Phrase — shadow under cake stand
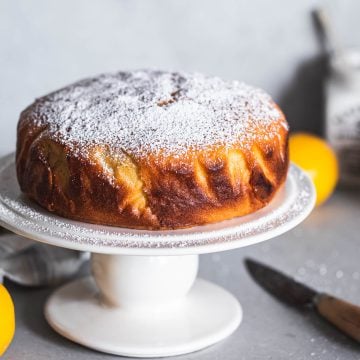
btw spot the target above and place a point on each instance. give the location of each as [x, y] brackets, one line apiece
[144, 299]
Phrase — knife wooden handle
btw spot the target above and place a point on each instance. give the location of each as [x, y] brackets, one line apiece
[345, 316]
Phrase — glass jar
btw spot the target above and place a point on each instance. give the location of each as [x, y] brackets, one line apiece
[342, 114]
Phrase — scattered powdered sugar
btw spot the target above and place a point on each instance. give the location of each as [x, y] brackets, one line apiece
[21, 215]
[154, 111]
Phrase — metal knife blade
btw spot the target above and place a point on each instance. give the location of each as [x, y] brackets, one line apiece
[281, 286]
[340, 313]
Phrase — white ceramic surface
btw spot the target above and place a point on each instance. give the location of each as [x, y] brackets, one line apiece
[143, 306]
[144, 282]
[289, 207]
[207, 315]
[139, 304]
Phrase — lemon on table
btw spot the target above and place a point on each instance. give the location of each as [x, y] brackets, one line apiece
[319, 161]
[7, 319]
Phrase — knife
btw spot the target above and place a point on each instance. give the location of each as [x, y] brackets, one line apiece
[342, 314]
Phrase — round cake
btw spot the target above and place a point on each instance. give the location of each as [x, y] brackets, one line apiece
[152, 150]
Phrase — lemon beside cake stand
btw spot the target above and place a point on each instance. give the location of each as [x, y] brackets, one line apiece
[144, 298]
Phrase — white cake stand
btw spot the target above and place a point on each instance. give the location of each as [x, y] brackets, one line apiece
[143, 299]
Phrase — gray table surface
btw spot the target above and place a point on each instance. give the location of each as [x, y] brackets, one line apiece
[324, 251]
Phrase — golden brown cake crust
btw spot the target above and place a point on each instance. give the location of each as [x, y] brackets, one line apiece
[152, 150]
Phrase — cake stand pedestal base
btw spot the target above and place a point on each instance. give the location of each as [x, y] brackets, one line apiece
[143, 306]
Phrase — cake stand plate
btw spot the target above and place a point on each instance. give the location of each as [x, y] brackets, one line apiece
[143, 299]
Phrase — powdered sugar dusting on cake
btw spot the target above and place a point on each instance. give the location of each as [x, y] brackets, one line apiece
[153, 111]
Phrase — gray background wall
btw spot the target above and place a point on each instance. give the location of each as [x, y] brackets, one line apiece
[45, 44]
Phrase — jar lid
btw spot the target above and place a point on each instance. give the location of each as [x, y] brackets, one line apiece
[346, 63]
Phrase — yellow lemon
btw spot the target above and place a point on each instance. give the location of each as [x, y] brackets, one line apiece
[317, 158]
[7, 319]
